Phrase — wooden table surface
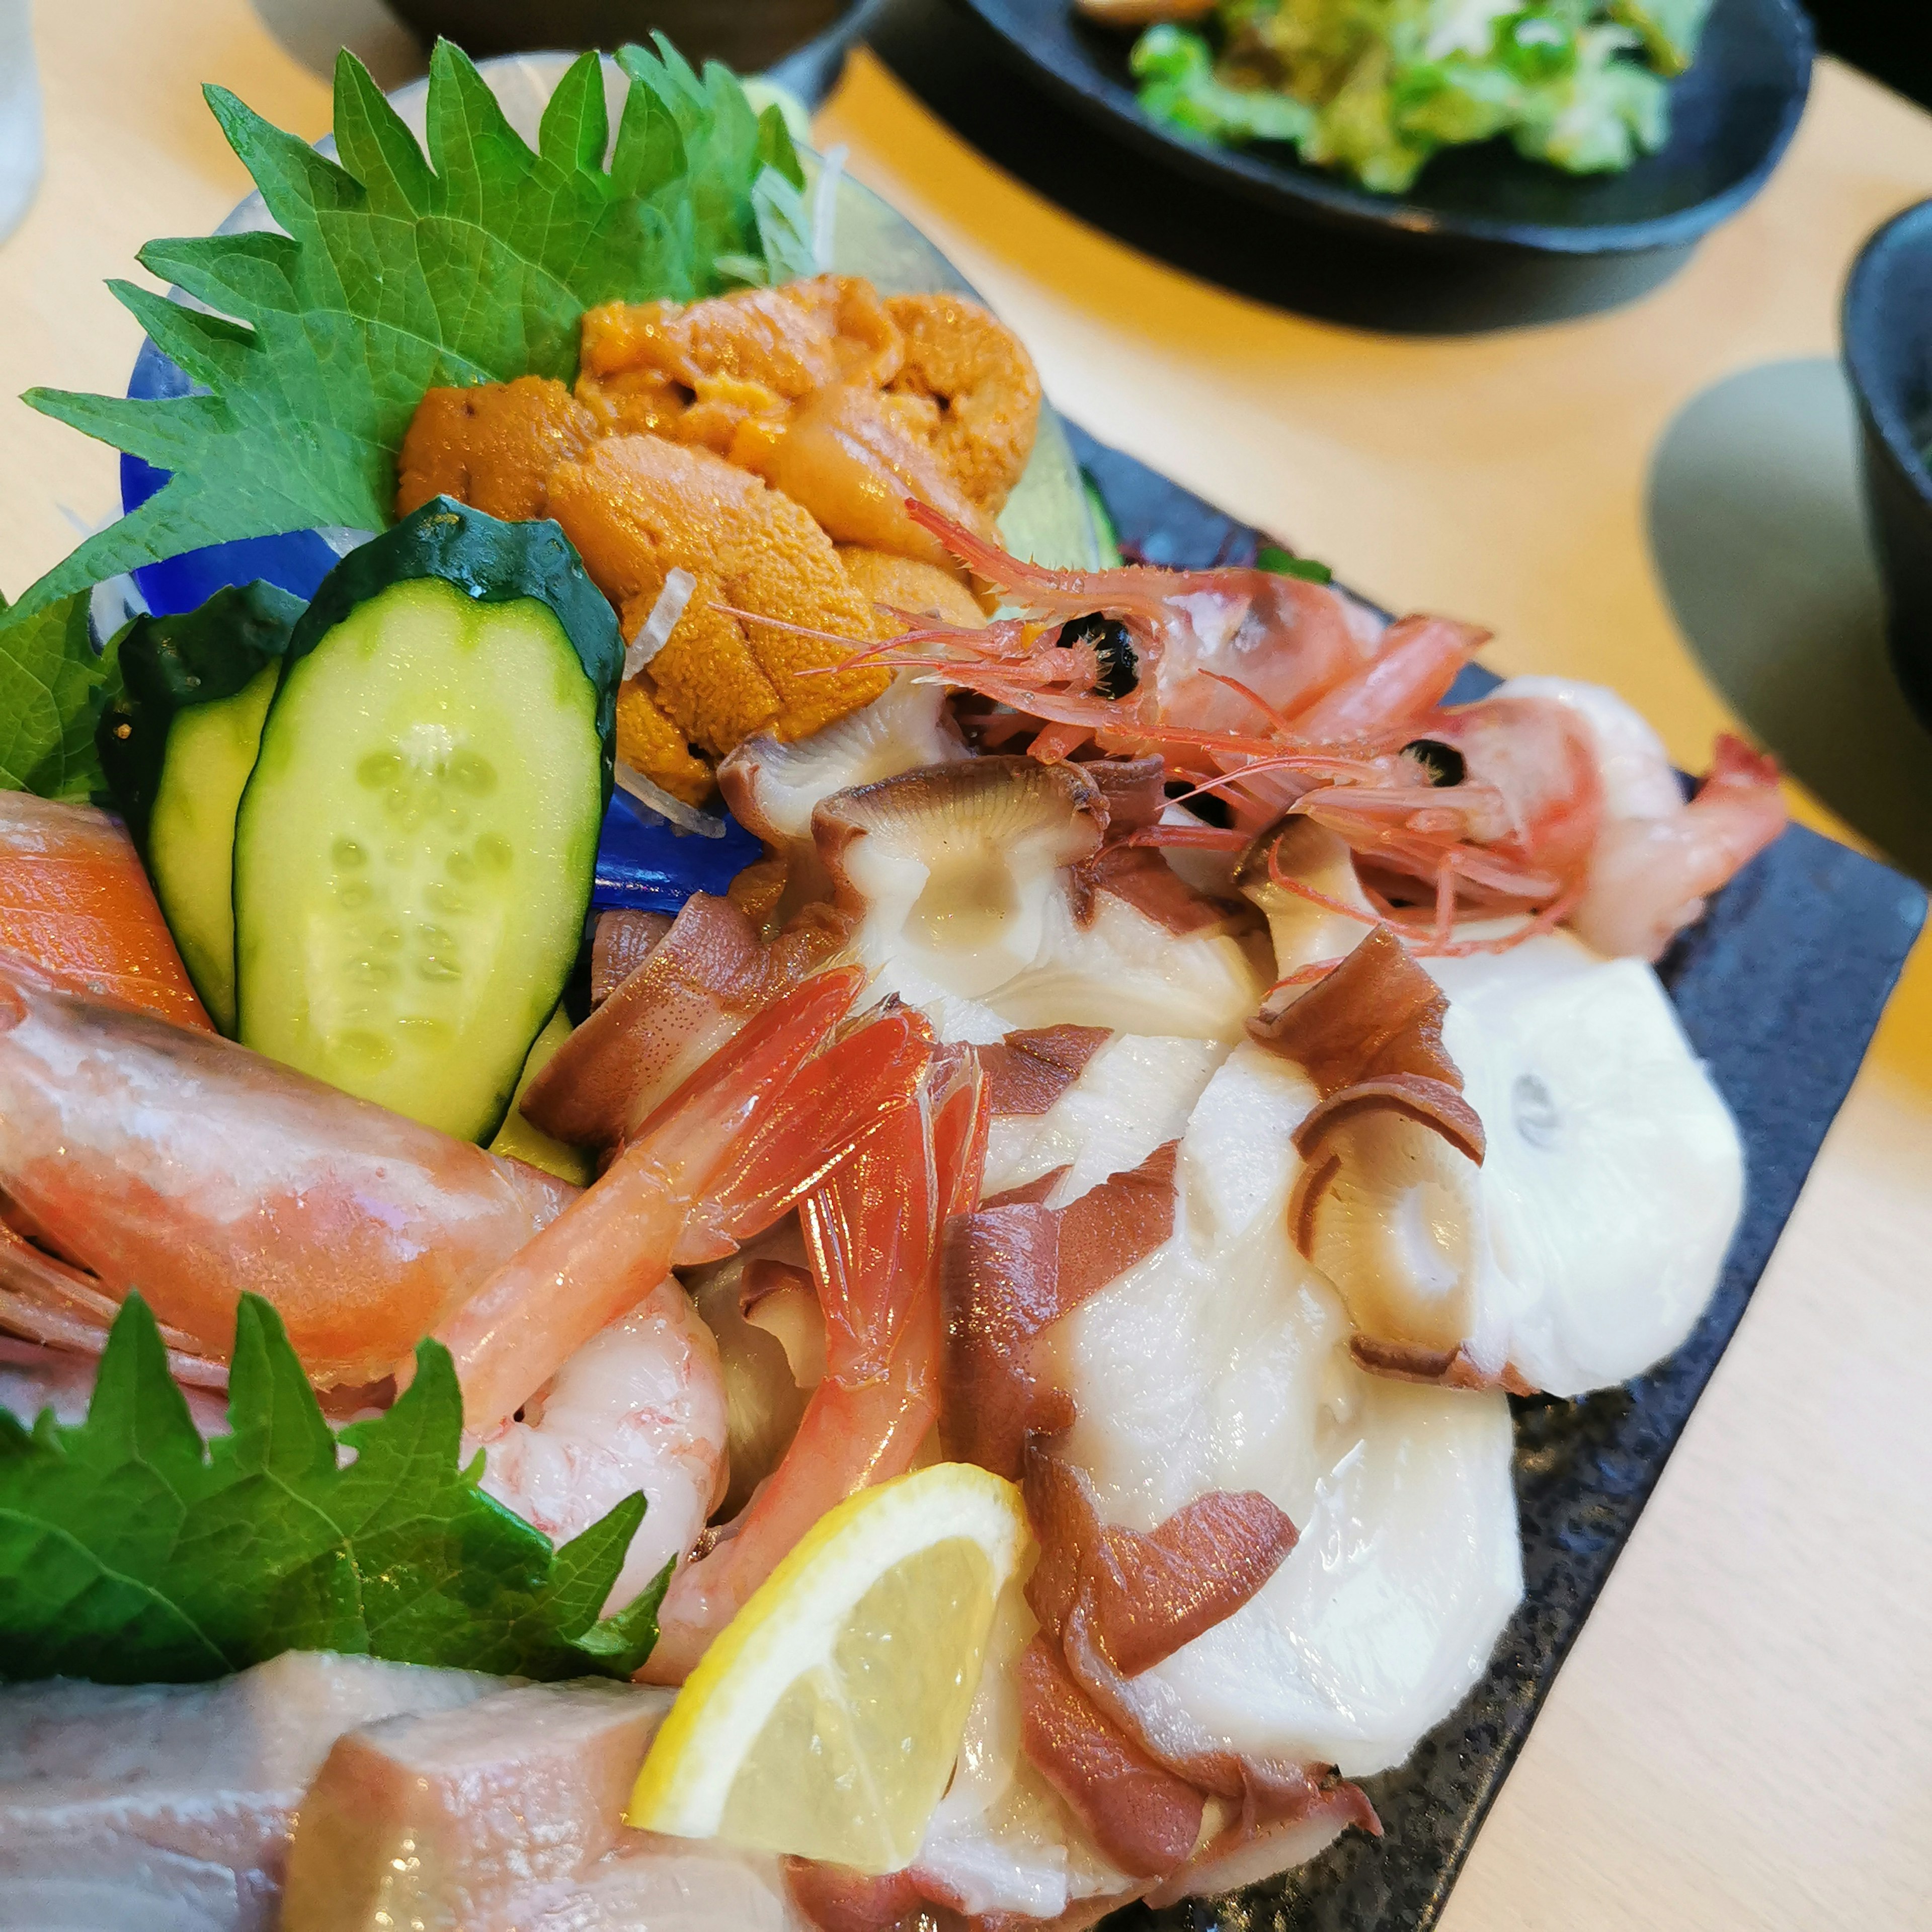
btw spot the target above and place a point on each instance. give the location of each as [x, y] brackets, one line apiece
[1743, 1736]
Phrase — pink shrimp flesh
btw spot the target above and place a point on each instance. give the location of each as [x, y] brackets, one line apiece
[873, 1228]
[1649, 877]
[1213, 650]
[134, 1153]
[751, 1130]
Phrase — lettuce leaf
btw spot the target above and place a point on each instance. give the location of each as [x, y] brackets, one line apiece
[131, 1551]
[398, 271]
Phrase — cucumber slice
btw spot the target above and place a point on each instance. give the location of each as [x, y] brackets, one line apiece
[414, 852]
[177, 746]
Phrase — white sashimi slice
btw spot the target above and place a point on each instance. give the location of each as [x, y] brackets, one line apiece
[1584, 1248]
[1133, 1095]
[1386, 1611]
[1220, 1362]
[1208, 1366]
[1614, 1175]
[1000, 1840]
[1127, 971]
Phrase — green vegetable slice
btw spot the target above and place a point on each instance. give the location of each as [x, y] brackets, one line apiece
[177, 746]
[414, 852]
[132, 1553]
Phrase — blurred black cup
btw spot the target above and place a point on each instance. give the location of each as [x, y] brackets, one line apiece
[1888, 334]
[747, 34]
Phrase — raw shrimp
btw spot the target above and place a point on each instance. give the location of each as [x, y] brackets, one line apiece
[1554, 794]
[148, 1155]
[640, 1406]
[1156, 654]
[1656, 857]
[873, 1230]
[755, 1128]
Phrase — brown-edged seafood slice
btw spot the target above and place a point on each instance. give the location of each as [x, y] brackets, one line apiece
[695, 988]
[949, 869]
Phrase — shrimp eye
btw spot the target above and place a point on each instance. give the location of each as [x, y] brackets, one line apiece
[1113, 650]
[1443, 763]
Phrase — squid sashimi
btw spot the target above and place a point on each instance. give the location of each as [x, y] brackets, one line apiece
[75, 901]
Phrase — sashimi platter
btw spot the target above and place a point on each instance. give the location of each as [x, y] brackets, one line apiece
[740, 1186]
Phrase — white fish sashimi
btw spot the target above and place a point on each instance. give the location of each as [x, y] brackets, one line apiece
[1221, 1362]
[1001, 1840]
[1386, 1611]
[171, 1804]
[1127, 971]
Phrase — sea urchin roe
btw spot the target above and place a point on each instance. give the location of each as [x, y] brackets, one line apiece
[492, 446]
[638, 508]
[845, 453]
[976, 370]
[651, 745]
[695, 370]
[903, 584]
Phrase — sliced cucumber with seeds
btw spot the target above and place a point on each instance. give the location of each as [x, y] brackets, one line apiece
[177, 746]
[414, 852]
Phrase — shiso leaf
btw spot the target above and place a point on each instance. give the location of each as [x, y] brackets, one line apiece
[131, 1551]
[398, 271]
[53, 688]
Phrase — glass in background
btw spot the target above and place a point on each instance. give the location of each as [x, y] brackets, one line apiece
[20, 114]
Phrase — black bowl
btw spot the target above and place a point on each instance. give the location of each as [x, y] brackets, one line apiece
[1732, 116]
[1888, 327]
[747, 34]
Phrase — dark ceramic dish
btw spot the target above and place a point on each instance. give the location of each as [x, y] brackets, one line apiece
[1732, 116]
[1888, 327]
[1779, 989]
[747, 34]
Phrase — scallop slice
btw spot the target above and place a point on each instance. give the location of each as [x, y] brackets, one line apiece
[1207, 1366]
[953, 868]
[772, 788]
[1385, 1613]
[1614, 1173]
[1134, 1095]
[1123, 969]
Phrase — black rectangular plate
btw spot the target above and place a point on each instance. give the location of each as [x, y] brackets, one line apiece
[1780, 989]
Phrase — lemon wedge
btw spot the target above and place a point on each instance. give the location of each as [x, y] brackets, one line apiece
[825, 1719]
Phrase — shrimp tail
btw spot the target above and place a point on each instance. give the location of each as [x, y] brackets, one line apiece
[873, 1228]
[758, 1125]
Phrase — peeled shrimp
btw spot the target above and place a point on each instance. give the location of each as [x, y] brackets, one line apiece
[640, 1406]
[143, 1154]
[873, 1228]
